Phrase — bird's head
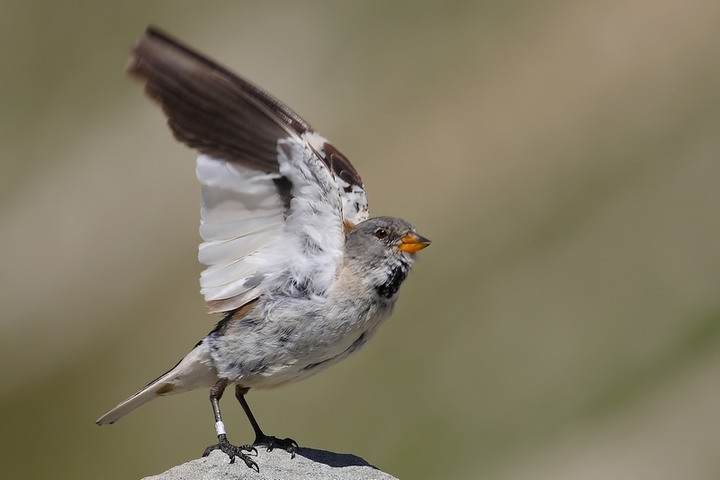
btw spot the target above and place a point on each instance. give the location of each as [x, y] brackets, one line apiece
[382, 250]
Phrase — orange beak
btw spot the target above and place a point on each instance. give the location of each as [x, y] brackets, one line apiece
[412, 242]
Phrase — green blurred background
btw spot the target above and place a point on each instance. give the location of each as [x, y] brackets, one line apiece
[563, 156]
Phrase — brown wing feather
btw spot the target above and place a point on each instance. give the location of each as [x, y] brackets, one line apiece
[219, 113]
[211, 109]
[340, 166]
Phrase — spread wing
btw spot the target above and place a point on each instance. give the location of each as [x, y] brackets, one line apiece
[277, 197]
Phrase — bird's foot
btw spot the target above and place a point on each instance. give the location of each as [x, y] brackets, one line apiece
[233, 451]
[271, 443]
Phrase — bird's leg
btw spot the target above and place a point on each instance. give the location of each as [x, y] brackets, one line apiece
[287, 444]
[232, 451]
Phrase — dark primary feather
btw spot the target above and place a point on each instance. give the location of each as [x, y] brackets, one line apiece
[210, 108]
[341, 166]
[219, 113]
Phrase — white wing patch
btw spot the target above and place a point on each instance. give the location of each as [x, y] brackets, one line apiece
[313, 234]
[242, 214]
[353, 197]
[354, 202]
[253, 243]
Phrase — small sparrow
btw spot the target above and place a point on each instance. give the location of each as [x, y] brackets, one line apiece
[302, 276]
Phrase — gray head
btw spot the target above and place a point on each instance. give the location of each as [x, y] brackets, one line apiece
[382, 250]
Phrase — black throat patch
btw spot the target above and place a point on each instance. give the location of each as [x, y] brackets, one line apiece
[396, 276]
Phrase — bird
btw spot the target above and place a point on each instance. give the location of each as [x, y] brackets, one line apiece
[300, 273]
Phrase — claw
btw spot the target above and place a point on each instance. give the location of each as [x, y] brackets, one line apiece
[251, 464]
[233, 451]
[271, 443]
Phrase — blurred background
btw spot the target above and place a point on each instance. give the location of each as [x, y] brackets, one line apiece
[563, 157]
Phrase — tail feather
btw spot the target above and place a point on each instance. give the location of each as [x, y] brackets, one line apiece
[193, 371]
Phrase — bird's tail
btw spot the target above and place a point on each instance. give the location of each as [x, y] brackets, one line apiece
[195, 370]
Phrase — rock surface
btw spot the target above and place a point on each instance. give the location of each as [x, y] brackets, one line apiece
[277, 465]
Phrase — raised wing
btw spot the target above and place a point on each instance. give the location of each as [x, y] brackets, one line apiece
[277, 197]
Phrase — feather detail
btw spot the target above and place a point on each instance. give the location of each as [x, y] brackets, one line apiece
[278, 198]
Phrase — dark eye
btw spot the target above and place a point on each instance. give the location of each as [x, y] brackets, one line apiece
[381, 233]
